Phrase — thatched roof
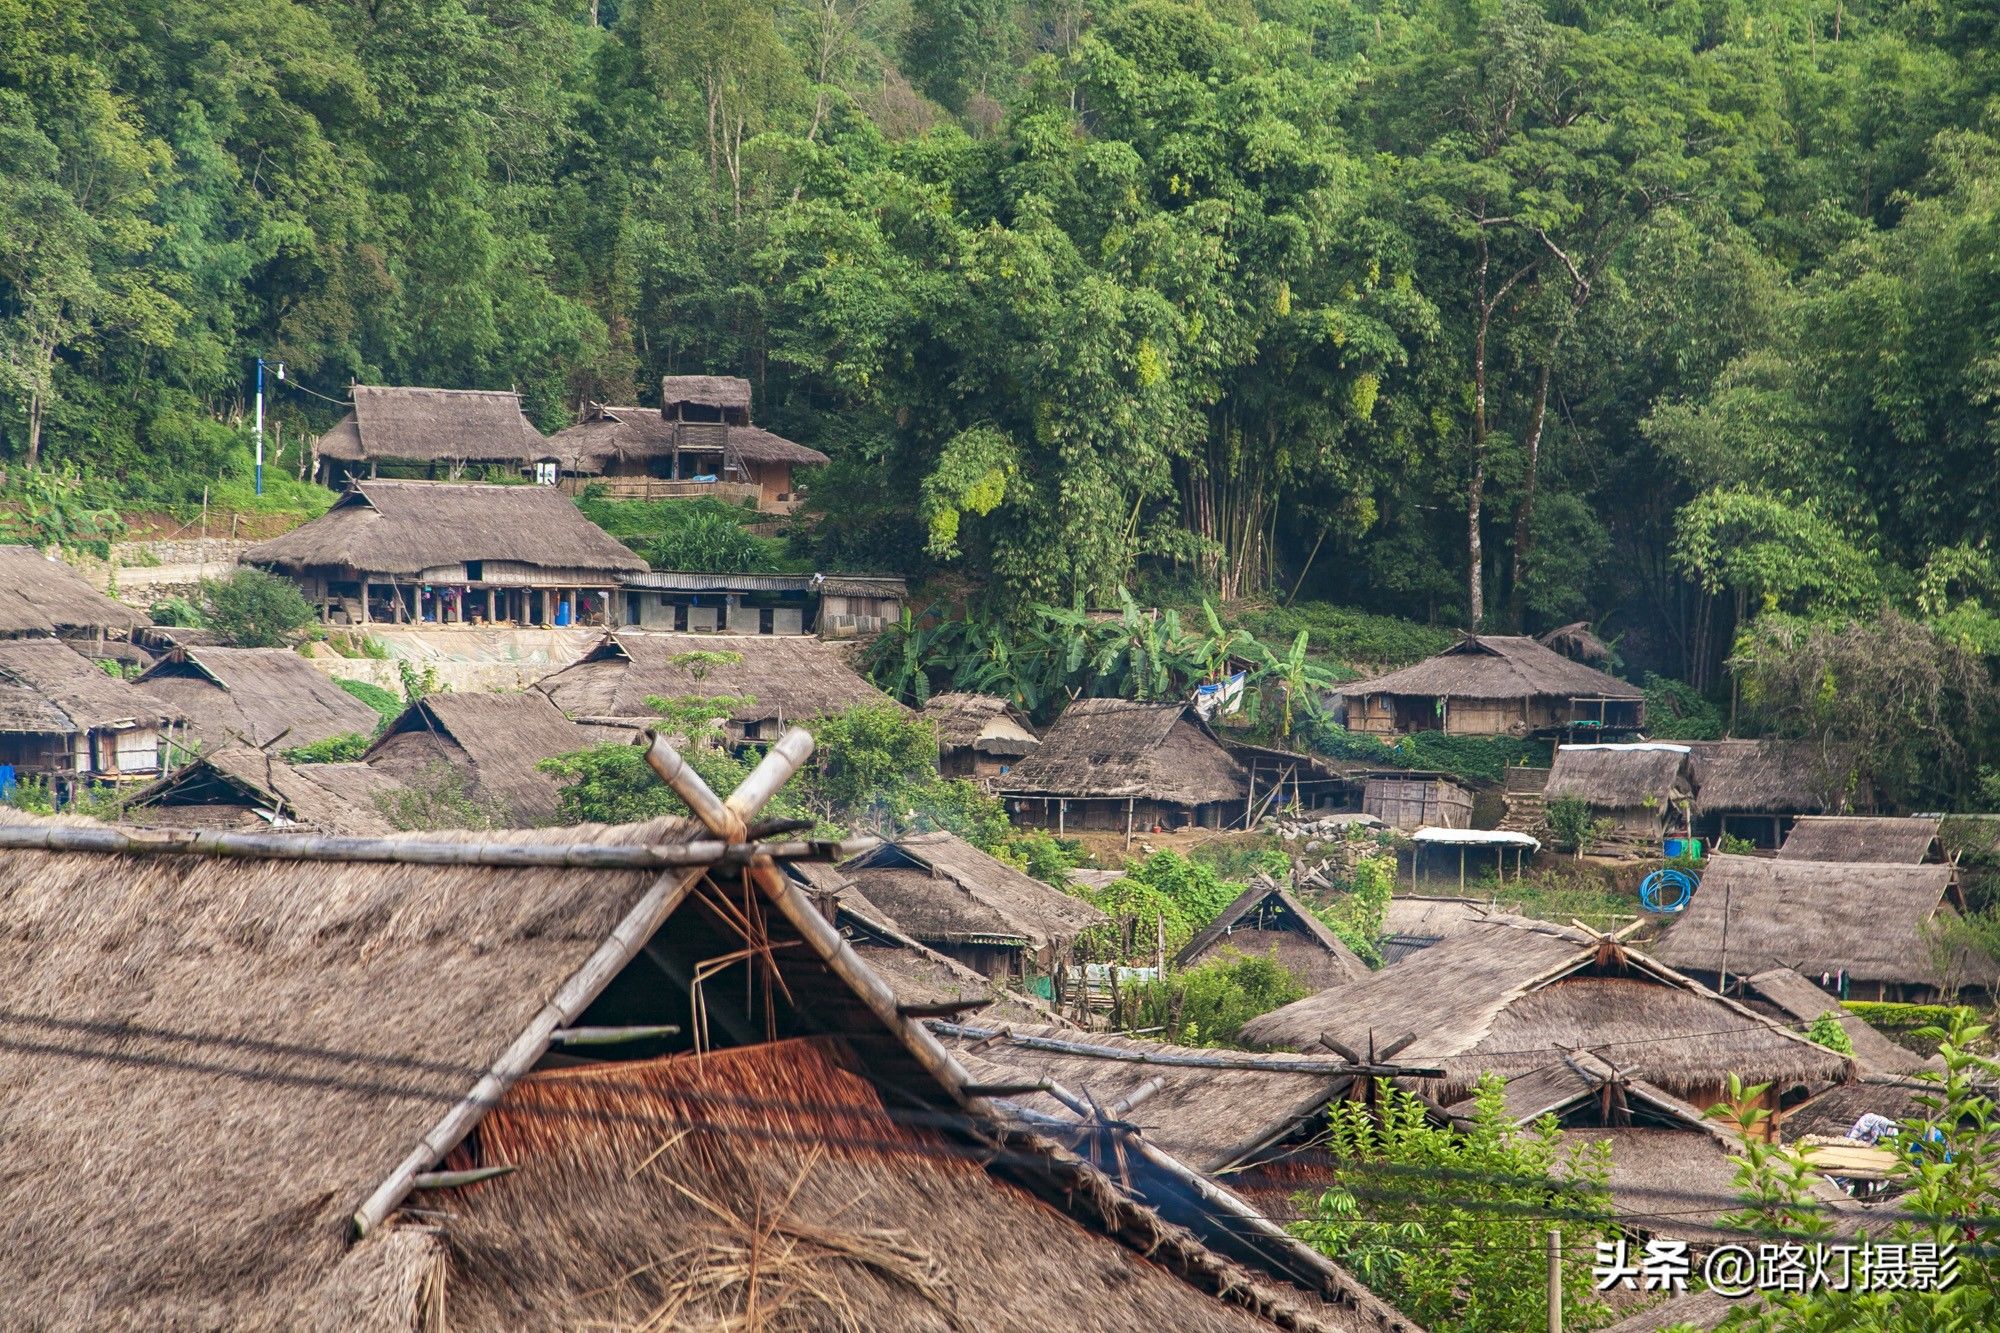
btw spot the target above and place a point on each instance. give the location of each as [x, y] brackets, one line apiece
[631, 435]
[1497, 666]
[942, 889]
[419, 425]
[1619, 777]
[706, 390]
[240, 787]
[1414, 922]
[180, 1156]
[495, 739]
[1212, 1119]
[1755, 777]
[42, 595]
[406, 527]
[1801, 1003]
[785, 677]
[1576, 641]
[1907, 840]
[1265, 916]
[1500, 994]
[985, 723]
[1896, 1096]
[256, 695]
[1112, 748]
[1868, 920]
[1692, 1309]
[49, 689]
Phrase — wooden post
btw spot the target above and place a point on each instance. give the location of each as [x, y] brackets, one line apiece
[1461, 868]
[1555, 1280]
[1062, 816]
[1128, 823]
[364, 599]
[1160, 944]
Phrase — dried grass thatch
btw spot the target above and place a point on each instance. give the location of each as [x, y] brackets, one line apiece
[1497, 666]
[777, 677]
[1212, 1119]
[244, 788]
[43, 596]
[1897, 1096]
[1801, 1002]
[49, 689]
[1578, 642]
[407, 527]
[1872, 921]
[625, 437]
[983, 723]
[1693, 1309]
[718, 391]
[1265, 918]
[1117, 748]
[1619, 777]
[943, 890]
[256, 696]
[1908, 840]
[1755, 778]
[1498, 996]
[495, 740]
[420, 425]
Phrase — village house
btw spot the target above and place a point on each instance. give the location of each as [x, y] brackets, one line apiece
[1498, 995]
[1906, 840]
[549, 1046]
[699, 443]
[43, 598]
[1753, 790]
[1120, 764]
[486, 745]
[1863, 931]
[1639, 794]
[438, 554]
[426, 432]
[981, 912]
[244, 788]
[1494, 685]
[979, 735]
[1410, 801]
[1795, 999]
[1267, 921]
[256, 696]
[830, 605]
[769, 681]
[65, 721]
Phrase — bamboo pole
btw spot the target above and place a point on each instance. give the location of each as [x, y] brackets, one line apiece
[414, 850]
[1132, 1055]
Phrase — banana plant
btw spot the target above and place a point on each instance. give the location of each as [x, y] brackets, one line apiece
[1300, 681]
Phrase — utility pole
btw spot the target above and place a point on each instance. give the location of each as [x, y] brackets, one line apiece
[1555, 1280]
[280, 368]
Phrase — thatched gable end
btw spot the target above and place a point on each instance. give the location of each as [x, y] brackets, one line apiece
[409, 527]
[257, 696]
[983, 723]
[941, 888]
[496, 740]
[1118, 748]
[424, 425]
[1871, 921]
[1266, 919]
[240, 787]
[41, 596]
[775, 676]
[1908, 841]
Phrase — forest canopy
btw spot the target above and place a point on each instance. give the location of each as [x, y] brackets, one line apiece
[1478, 312]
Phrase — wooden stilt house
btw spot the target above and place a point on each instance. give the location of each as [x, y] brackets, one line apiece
[1120, 764]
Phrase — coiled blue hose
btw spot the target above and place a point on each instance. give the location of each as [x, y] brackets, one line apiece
[1666, 890]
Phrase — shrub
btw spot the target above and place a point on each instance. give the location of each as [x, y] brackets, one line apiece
[341, 749]
[441, 798]
[1572, 824]
[384, 702]
[254, 609]
[175, 611]
[1826, 1030]
[1676, 711]
[1208, 1005]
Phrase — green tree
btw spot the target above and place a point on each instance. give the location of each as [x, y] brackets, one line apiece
[253, 609]
[1208, 1005]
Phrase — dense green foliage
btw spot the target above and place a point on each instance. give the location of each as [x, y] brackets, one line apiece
[1208, 1005]
[1449, 1225]
[1166, 892]
[341, 749]
[253, 609]
[704, 535]
[382, 701]
[1483, 757]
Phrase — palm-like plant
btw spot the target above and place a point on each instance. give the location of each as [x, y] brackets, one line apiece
[1300, 680]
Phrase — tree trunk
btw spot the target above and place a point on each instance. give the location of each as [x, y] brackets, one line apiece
[1475, 488]
[1524, 530]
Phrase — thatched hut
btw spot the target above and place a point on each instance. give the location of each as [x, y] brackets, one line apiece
[946, 893]
[979, 735]
[546, 1051]
[1906, 841]
[41, 597]
[1799, 1001]
[1753, 790]
[770, 681]
[490, 742]
[1642, 792]
[257, 696]
[1120, 764]
[1266, 920]
[426, 430]
[240, 787]
[1494, 685]
[64, 720]
[700, 442]
[438, 553]
[1871, 930]
[1498, 995]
